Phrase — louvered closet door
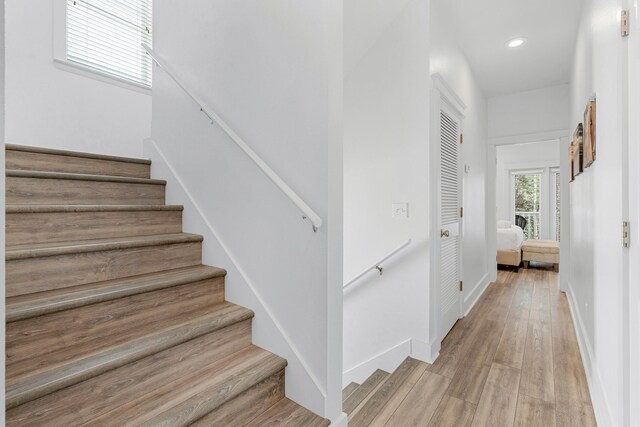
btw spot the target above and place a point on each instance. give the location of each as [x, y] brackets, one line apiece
[450, 199]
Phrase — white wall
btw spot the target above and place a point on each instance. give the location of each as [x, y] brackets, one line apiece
[529, 116]
[534, 155]
[632, 306]
[272, 70]
[448, 60]
[50, 107]
[364, 22]
[387, 155]
[386, 161]
[596, 283]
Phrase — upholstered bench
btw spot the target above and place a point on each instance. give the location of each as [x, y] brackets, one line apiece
[541, 251]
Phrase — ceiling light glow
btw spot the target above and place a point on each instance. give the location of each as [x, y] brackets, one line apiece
[516, 42]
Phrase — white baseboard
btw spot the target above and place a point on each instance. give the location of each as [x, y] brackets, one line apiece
[302, 385]
[341, 421]
[387, 360]
[421, 350]
[434, 349]
[476, 293]
[599, 399]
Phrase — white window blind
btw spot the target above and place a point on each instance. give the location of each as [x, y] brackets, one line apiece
[107, 36]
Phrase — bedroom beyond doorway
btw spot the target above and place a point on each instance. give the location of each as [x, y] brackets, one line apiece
[528, 194]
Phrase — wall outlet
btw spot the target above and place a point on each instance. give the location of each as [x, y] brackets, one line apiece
[400, 210]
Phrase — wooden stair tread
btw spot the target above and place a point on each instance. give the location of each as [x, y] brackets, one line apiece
[19, 173]
[58, 152]
[365, 390]
[96, 245]
[350, 388]
[102, 347]
[11, 209]
[176, 387]
[37, 304]
[376, 401]
[288, 413]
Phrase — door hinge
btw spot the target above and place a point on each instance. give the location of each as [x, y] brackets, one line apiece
[461, 212]
[626, 234]
[461, 138]
[461, 286]
[624, 23]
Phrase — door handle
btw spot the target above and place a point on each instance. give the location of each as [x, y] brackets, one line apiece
[444, 233]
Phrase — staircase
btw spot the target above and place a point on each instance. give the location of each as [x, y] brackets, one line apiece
[112, 319]
[381, 399]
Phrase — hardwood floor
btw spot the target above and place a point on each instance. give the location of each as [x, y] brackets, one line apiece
[513, 361]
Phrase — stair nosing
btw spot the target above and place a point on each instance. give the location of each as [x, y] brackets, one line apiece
[98, 245]
[355, 388]
[76, 297]
[13, 209]
[69, 153]
[25, 388]
[19, 173]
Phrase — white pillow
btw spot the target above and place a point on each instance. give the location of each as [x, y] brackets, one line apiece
[504, 224]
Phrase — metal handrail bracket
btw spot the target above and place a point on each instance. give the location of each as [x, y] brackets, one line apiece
[378, 265]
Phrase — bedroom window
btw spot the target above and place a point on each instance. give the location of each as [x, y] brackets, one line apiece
[527, 201]
[105, 37]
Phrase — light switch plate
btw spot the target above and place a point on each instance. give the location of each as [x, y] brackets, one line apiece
[400, 210]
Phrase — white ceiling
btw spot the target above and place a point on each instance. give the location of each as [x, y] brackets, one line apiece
[483, 27]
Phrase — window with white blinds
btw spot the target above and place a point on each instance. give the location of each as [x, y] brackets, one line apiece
[107, 36]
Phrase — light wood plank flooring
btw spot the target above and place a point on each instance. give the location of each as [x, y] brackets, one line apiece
[513, 361]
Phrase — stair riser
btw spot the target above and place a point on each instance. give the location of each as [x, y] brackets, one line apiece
[110, 379]
[23, 228]
[44, 191]
[110, 320]
[25, 276]
[16, 311]
[24, 160]
[248, 405]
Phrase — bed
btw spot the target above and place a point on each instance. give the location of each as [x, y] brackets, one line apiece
[509, 244]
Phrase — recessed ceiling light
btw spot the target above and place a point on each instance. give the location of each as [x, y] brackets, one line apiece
[517, 42]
